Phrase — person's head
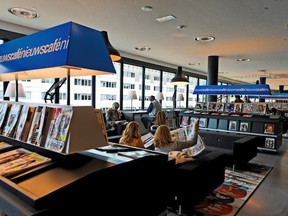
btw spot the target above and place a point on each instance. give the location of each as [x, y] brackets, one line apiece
[131, 131]
[160, 118]
[152, 98]
[237, 97]
[162, 136]
[115, 106]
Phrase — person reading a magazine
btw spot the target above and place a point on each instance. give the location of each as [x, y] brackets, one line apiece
[114, 118]
[238, 99]
[163, 140]
[131, 135]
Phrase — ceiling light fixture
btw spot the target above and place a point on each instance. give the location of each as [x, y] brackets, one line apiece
[166, 18]
[114, 54]
[142, 48]
[244, 59]
[146, 8]
[204, 38]
[24, 12]
[179, 79]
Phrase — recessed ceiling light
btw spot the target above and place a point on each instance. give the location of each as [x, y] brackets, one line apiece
[263, 70]
[146, 8]
[204, 38]
[142, 48]
[244, 59]
[23, 12]
[194, 64]
[166, 18]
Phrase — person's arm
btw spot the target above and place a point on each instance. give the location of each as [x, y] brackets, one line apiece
[150, 108]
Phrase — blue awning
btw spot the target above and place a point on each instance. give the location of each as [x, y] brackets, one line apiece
[260, 89]
[51, 52]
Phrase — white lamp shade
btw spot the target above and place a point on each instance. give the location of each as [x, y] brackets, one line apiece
[11, 90]
[132, 95]
[159, 96]
[180, 97]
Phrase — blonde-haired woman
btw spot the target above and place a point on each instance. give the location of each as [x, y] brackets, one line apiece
[163, 140]
[160, 119]
[131, 135]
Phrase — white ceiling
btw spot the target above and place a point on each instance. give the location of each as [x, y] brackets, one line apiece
[255, 29]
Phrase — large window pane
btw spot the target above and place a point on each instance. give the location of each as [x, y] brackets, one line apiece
[168, 90]
[152, 84]
[193, 81]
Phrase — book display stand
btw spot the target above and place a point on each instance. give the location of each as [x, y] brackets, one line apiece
[268, 128]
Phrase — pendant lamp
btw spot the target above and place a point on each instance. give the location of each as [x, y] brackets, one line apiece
[114, 54]
[179, 78]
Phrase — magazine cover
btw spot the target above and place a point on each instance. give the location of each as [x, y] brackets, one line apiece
[57, 136]
[35, 132]
[178, 134]
[259, 108]
[212, 106]
[269, 128]
[12, 119]
[184, 120]
[220, 107]
[244, 126]
[233, 125]
[238, 107]
[247, 108]
[203, 122]
[147, 139]
[229, 107]
[269, 143]
[3, 109]
[22, 161]
[4, 145]
[21, 122]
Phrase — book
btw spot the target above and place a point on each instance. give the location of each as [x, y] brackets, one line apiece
[20, 160]
[147, 139]
[12, 120]
[34, 136]
[57, 136]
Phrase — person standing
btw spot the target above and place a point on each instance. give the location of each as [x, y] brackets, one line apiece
[153, 108]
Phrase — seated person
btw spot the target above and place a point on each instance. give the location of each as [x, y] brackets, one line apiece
[131, 135]
[153, 108]
[114, 118]
[160, 119]
[163, 140]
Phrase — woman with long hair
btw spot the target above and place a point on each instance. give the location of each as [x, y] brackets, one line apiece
[131, 135]
[160, 119]
[163, 140]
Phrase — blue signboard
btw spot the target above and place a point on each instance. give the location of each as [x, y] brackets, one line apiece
[261, 89]
[274, 95]
[69, 44]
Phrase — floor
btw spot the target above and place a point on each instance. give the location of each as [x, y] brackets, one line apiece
[271, 197]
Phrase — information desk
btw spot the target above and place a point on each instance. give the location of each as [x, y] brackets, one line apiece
[82, 183]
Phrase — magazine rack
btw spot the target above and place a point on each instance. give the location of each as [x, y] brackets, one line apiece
[86, 131]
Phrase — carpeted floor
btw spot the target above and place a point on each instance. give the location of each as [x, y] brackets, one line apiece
[238, 186]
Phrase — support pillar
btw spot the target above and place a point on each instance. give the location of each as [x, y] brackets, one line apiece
[262, 80]
[212, 75]
[281, 88]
